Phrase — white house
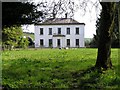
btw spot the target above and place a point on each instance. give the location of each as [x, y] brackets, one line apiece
[59, 32]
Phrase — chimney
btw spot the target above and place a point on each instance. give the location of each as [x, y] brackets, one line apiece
[65, 15]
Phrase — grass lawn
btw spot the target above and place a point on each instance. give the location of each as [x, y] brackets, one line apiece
[54, 68]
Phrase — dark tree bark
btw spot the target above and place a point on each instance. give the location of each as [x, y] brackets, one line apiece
[104, 43]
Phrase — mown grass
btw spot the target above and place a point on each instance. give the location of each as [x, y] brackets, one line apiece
[54, 68]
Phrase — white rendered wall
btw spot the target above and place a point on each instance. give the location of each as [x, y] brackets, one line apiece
[46, 35]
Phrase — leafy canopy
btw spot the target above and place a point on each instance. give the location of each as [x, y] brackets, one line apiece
[17, 13]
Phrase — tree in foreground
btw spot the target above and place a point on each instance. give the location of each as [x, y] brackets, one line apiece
[18, 13]
[13, 37]
[14, 15]
[105, 35]
[115, 34]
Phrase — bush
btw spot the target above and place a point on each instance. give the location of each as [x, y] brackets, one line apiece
[13, 37]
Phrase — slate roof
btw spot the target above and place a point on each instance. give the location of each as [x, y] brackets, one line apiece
[60, 21]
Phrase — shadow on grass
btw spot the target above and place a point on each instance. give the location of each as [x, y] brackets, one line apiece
[86, 79]
[52, 72]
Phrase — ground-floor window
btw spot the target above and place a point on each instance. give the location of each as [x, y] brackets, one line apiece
[68, 42]
[50, 42]
[77, 42]
[41, 42]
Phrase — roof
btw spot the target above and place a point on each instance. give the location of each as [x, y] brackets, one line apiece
[60, 21]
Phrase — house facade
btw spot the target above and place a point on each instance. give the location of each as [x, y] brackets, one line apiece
[59, 33]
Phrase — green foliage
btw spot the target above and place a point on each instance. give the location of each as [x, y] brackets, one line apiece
[13, 37]
[54, 68]
[14, 15]
[113, 30]
[23, 43]
[27, 34]
[18, 13]
[94, 41]
[87, 41]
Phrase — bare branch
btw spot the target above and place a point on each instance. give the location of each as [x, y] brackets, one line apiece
[58, 8]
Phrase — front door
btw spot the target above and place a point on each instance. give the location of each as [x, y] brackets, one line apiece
[58, 42]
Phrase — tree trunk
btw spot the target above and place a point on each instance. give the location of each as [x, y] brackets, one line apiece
[104, 45]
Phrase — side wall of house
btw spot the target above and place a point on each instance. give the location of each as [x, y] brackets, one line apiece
[72, 35]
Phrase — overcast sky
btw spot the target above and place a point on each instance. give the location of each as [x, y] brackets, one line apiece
[89, 19]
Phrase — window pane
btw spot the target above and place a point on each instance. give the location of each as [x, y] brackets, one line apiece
[77, 30]
[68, 30]
[59, 30]
[41, 31]
[68, 42]
[77, 42]
[50, 42]
[41, 42]
[50, 31]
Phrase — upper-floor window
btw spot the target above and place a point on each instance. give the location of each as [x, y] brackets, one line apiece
[41, 42]
[50, 31]
[68, 30]
[77, 30]
[41, 31]
[59, 30]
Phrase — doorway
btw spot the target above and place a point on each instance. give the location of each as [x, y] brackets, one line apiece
[58, 42]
